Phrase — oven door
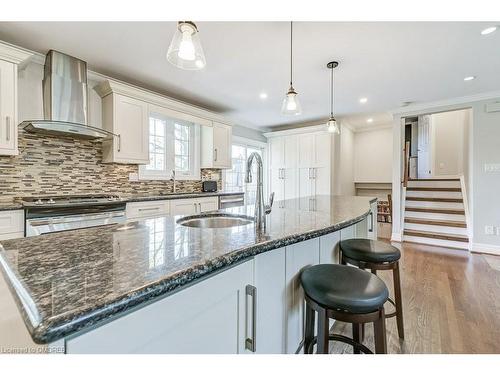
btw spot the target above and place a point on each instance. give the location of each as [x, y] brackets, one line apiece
[38, 226]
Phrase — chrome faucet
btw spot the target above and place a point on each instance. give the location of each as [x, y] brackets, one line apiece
[172, 178]
[261, 210]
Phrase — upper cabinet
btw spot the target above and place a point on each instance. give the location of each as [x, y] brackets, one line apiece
[10, 57]
[216, 146]
[128, 118]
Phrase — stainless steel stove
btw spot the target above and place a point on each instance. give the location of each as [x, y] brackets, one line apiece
[61, 213]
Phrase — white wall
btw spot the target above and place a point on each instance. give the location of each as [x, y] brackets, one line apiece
[346, 162]
[373, 155]
[448, 138]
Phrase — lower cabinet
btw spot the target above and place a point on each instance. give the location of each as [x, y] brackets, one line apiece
[136, 210]
[193, 206]
[212, 316]
[298, 257]
[11, 224]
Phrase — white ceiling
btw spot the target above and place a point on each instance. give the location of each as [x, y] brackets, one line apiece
[389, 63]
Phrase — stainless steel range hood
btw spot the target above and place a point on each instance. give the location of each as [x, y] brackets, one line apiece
[65, 100]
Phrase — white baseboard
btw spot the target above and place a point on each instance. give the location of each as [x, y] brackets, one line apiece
[396, 237]
[485, 248]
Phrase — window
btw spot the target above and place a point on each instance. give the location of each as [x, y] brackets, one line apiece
[234, 179]
[173, 144]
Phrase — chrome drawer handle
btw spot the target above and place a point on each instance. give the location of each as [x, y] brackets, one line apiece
[250, 342]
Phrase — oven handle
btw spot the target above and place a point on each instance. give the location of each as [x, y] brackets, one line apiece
[66, 219]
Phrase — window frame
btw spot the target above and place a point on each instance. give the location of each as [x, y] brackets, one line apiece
[247, 142]
[171, 119]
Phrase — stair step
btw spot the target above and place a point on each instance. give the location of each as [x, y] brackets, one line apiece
[434, 179]
[436, 210]
[433, 189]
[444, 223]
[432, 199]
[438, 236]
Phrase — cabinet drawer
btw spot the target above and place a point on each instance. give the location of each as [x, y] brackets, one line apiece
[11, 222]
[147, 209]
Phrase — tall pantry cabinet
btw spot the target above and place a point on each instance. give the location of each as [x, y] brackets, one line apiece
[300, 163]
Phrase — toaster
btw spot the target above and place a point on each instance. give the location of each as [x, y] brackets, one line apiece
[209, 186]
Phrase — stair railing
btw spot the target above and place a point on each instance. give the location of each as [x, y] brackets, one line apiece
[406, 174]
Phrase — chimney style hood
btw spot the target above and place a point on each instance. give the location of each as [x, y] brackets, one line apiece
[65, 100]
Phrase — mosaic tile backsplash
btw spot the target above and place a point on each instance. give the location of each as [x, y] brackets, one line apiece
[48, 166]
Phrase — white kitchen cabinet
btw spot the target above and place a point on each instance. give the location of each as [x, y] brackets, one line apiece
[212, 316]
[8, 108]
[136, 210]
[11, 224]
[298, 257]
[270, 283]
[193, 206]
[128, 118]
[216, 146]
[283, 167]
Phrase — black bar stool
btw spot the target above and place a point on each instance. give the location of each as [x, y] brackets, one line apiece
[346, 294]
[376, 255]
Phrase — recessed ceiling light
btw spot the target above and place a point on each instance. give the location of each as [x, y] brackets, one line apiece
[469, 78]
[370, 120]
[263, 95]
[363, 100]
[488, 30]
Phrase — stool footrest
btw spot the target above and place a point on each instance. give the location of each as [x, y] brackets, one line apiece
[335, 337]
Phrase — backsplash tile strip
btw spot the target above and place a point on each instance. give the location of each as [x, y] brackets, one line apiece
[49, 165]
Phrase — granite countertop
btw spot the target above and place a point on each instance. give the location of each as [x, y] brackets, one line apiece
[68, 281]
[141, 198]
[18, 205]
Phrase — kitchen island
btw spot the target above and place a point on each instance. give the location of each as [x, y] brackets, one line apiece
[155, 286]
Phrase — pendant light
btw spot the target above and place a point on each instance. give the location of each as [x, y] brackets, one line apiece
[185, 50]
[332, 125]
[291, 105]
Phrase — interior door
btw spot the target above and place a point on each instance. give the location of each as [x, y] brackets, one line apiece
[424, 147]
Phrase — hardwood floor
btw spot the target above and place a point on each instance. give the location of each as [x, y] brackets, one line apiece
[451, 303]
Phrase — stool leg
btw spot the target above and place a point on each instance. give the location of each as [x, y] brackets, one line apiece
[356, 335]
[323, 333]
[398, 301]
[309, 329]
[380, 334]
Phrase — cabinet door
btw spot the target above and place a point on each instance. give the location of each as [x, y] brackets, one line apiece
[269, 275]
[208, 317]
[322, 149]
[298, 257]
[305, 151]
[276, 183]
[277, 152]
[305, 182]
[290, 183]
[8, 118]
[372, 221]
[321, 180]
[131, 124]
[183, 207]
[222, 145]
[208, 204]
[290, 151]
[328, 248]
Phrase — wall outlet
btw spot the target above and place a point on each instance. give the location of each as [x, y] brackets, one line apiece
[492, 168]
[133, 176]
[489, 230]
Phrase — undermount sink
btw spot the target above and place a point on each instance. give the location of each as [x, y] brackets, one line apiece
[215, 221]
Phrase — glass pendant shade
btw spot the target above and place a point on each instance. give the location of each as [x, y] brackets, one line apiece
[291, 105]
[332, 126]
[185, 50]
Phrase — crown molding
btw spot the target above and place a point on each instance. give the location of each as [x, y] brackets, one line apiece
[463, 100]
[300, 130]
[13, 54]
[374, 128]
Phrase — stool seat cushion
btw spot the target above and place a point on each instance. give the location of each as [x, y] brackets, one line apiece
[346, 288]
[365, 250]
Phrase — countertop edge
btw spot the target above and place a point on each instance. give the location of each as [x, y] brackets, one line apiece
[48, 332]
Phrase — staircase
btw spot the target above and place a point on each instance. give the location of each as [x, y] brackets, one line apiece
[435, 213]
